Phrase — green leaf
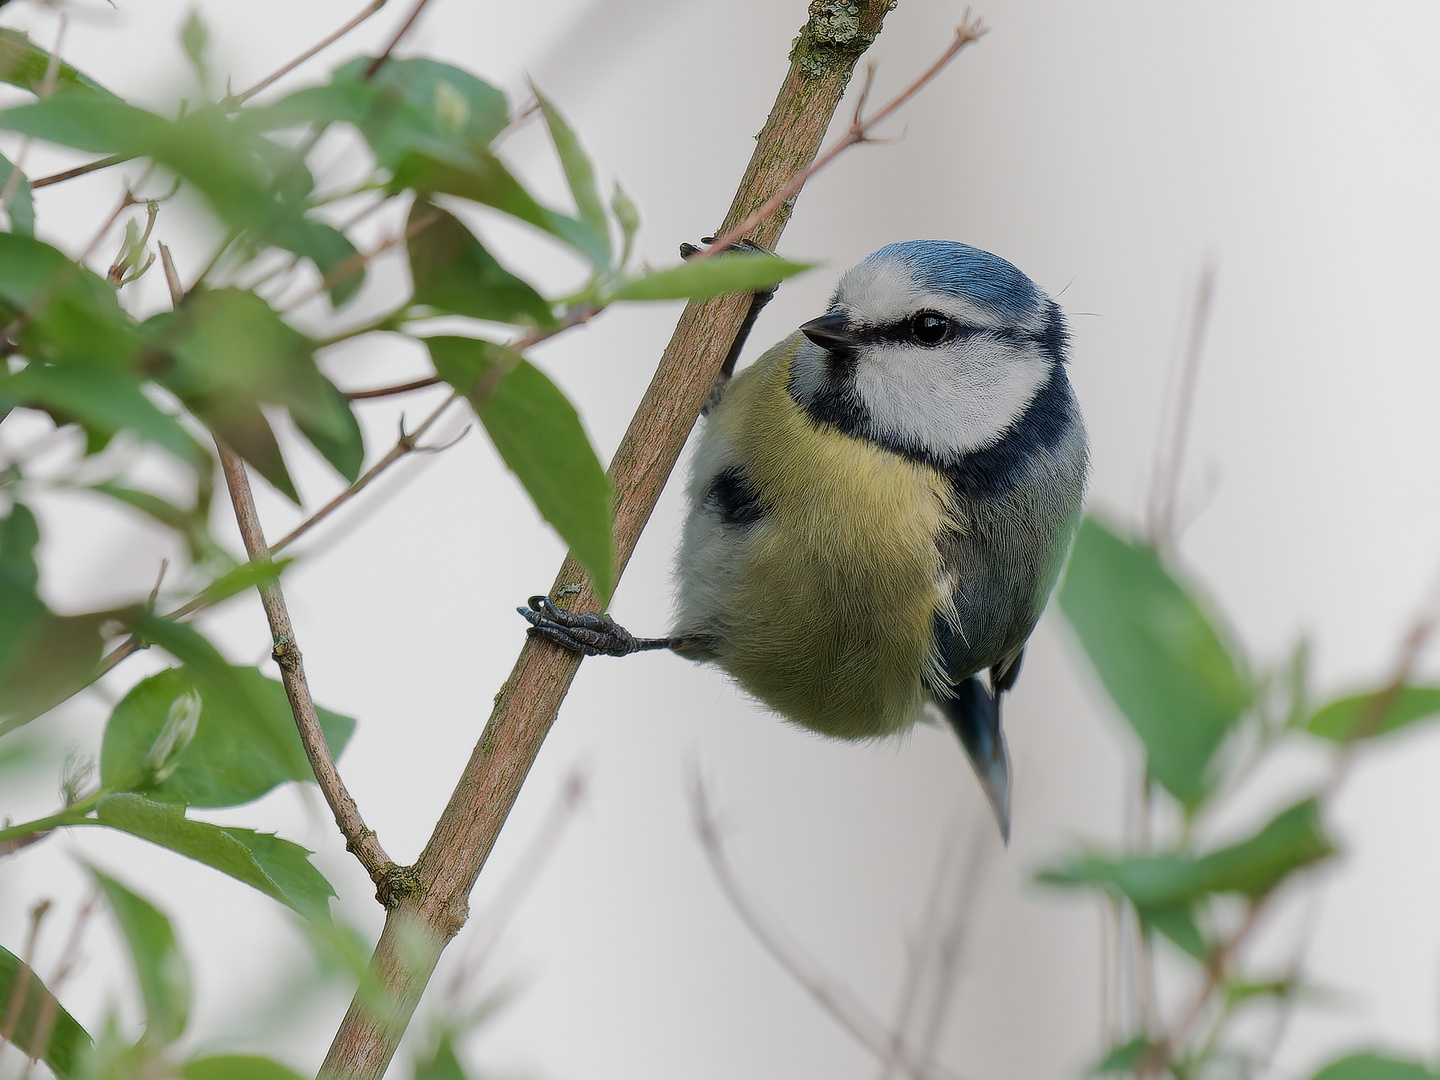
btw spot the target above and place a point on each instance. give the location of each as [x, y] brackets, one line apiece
[1178, 924]
[1167, 667]
[700, 279]
[483, 179]
[1354, 717]
[331, 253]
[195, 39]
[441, 1064]
[243, 746]
[455, 275]
[24, 64]
[409, 106]
[160, 967]
[236, 1067]
[229, 352]
[103, 403]
[1252, 867]
[579, 173]
[538, 434]
[277, 868]
[64, 1042]
[44, 657]
[1374, 1067]
[1124, 1058]
[248, 575]
[22, 202]
[628, 216]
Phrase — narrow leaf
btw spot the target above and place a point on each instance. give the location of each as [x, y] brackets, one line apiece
[24, 64]
[700, 279]
[539, 436]
[22, 202]
[1355, 717]
[160, 967]
[1178, 924]
[1374, 1067]
[236, 1067]
[277, 868]
[579, 173]
[455, 275]
[1167, 667]
[43, 1029]
[1124, 1058]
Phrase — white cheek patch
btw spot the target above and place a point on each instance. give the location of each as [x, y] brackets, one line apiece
[954, 399]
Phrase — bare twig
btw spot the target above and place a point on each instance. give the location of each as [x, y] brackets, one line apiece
[407, 443]
[49, 1010]
[324, 43]
[966, 33]
[1169, 462]
[360, 840]
[379, 61]
[888, 1046]
[81, 170]
[391, 391]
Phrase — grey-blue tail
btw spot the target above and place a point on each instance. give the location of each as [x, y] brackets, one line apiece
[974, 713]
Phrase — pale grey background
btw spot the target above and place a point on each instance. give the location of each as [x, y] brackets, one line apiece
[1107, 149]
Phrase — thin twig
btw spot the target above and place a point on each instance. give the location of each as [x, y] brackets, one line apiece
[360, 840]
[966, 33]
[81, 170]
[391, 391]
[407, 443]
[888, 1046]
[1165, 493]
[325, 43]
[379, 61]
[50, 1005]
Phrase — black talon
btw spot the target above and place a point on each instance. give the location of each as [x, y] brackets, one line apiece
[586, 632]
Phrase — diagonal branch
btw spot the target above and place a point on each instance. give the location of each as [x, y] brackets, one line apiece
[421, 922]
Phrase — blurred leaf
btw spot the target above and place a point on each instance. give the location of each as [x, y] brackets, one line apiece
[236, 1067]
[441, 1063]
[64, 1042]
[1163, 662]
[700, 279]
[248, 575]
[1239, 992]
[191, 524]
[229, 352]
[160, 967]
[455, 275]
[1352, 717]
[44, 657]
[1373, 1067]
[628, 217]
[275, 867]
[22, 202]
[1177, 924]
[579, 172]
[195, 39]
[244, 745]
[539, 436]
[102, 402]
[329, 250]
[483, 179]
[410, 105]
[1291, 840]
[1124, 1058]
[24, 64]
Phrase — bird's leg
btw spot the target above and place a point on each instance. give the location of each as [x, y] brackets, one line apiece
[757, 301]
[589, 632]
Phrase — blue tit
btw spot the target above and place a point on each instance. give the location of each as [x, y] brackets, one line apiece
[880, 506]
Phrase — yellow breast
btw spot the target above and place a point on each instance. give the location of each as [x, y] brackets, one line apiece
[837, 587]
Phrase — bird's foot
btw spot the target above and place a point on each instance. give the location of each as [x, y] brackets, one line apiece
[689, 251]
[587, 632]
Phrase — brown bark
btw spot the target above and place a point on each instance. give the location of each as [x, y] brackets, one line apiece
[430, 905]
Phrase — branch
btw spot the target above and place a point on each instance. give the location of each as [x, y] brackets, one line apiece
[966, 33]
[360, 840]
[379, 61]
[81, 170]
[391, 391]
[527, 704]
[279, 73]
[835, 999]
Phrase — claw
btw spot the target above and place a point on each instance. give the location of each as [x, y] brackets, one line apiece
[588, 632]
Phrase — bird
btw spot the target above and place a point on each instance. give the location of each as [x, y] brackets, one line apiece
[880, 506]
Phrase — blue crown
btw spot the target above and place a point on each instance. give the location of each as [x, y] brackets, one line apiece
[966, 272]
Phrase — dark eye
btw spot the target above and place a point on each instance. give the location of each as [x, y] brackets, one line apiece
[930, 328]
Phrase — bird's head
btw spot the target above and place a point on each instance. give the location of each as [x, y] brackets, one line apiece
[932, 348]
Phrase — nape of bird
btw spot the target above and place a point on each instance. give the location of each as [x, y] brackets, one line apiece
[879, 506]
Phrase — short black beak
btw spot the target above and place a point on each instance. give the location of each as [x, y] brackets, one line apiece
[829, 331]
